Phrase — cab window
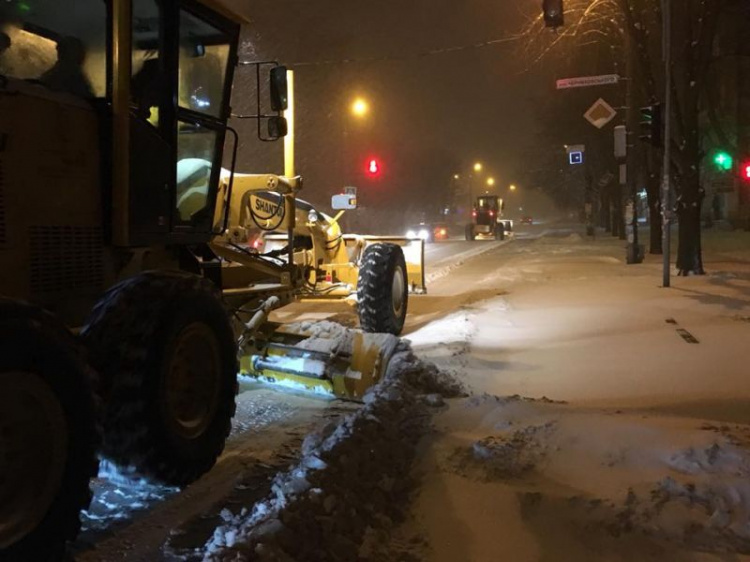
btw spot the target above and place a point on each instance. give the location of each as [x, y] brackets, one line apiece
[147, 84]
[197, 147]
[62, 48]
[204, 54]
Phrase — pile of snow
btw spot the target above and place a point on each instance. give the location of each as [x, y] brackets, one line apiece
[352, 480]
[613, 474]
[326, 337]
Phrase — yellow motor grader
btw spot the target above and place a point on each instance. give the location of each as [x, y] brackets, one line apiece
[374, 273]
[126, 284]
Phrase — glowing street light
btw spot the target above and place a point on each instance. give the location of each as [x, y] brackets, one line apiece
[478, 167]
[360, 107]
[513, 187]
[490, 181]
[456, 176]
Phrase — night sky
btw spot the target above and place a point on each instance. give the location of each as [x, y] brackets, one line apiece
[473, 104]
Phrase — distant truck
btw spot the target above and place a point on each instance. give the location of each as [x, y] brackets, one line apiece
[487, 219]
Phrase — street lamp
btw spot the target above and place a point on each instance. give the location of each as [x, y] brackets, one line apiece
[490, 181]
[456, 177]
[360, 107]
[513, 187]
[478, 167]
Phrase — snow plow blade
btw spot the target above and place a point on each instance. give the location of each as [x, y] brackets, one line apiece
[413, 254]
[344, 364]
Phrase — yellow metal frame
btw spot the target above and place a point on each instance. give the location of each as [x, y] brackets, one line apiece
[121, 69]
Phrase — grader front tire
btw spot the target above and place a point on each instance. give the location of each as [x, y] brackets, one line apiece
[382, 289]
[166, 351]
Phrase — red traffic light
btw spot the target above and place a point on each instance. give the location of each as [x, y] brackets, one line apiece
[746, 171]
[373, 167]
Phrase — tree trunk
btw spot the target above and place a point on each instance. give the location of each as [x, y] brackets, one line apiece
[605, 213]
[653, 195]
[689, 203]
[655, 225]
[689, 256]
[616, 207]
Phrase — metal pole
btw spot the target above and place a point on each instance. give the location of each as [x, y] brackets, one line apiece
[631, 180]
[471, 195]
[666, 172]
[289, 164]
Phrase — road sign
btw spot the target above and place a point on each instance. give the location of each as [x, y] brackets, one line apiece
[350, 190]
[576, 157]
[575, 148]
[606, 178]
[600, 113]
[586, 81]
[621, 142]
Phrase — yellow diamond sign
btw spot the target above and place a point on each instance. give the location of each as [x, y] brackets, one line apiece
[600, 113]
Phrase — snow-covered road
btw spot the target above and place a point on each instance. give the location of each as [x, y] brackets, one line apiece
[597, 429]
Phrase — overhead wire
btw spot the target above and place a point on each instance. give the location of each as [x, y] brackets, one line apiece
[412, 56]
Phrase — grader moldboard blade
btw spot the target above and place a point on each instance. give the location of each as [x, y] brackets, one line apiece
[341, 363]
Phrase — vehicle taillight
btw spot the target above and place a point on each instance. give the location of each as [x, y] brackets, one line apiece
[474, 213]
[258, 243]
[443, 232]
[492, 213]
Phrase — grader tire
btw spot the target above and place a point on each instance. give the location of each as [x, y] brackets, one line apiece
[164, 346]
[382, 289]
[500, 232]
[48, 434]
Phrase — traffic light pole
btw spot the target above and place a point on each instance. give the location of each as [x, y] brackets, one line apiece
[666, 172]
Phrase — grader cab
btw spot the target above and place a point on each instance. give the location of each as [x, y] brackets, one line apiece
[113, 121]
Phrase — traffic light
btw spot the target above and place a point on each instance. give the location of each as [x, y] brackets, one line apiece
[745, 170]
[651, 124]
[553, 13]
[723, 161]
[373, 167]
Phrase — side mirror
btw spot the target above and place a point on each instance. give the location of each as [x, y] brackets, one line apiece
[344, 202]
[279, 89]
[277, 127]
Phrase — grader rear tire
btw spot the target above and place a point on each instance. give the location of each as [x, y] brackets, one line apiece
[383, 289]
[166, 351]
[48, 434]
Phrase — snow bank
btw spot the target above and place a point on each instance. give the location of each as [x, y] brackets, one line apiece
[352, 479]
[614, 474]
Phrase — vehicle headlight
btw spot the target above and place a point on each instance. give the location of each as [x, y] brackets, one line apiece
[411, 234]
[423, 234]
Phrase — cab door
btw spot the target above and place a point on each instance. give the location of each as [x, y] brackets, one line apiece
[151, 142]
[206, 50]
[182, 66]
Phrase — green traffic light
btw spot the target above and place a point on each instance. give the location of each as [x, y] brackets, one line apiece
[723, 161]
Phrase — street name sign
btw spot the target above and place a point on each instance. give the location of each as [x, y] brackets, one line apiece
[587, 81]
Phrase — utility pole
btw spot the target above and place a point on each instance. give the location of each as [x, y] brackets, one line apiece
[630, 179]
[666, 203]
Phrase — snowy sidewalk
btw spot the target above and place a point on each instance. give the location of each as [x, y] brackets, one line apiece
[633, 443]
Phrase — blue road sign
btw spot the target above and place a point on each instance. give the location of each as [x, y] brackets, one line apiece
[576, 157]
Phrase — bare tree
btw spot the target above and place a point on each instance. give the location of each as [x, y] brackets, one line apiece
[694, 31]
